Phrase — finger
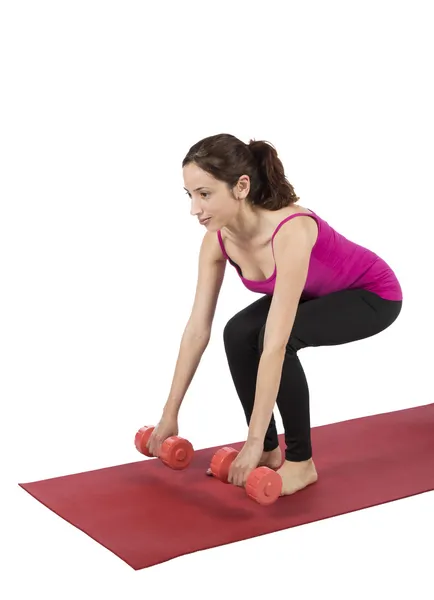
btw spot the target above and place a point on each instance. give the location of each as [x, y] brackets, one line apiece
[151, 445]
[236, 478]
[245, 475]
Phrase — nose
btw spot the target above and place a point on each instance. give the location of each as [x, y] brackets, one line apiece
[194, 211]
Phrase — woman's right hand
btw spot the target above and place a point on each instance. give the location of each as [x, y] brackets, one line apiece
[167, 426]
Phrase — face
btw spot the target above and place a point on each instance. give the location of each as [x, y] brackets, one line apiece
[211, 199]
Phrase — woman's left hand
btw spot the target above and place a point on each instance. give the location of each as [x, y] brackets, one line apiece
[245, 462]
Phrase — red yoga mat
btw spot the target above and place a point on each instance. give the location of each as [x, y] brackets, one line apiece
[146, 513]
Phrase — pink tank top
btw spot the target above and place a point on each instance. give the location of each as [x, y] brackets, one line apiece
[336, 263]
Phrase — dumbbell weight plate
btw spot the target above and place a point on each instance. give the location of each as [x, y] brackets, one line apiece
[142, 438]
[176, 452]
[264, 485]
[221, 462]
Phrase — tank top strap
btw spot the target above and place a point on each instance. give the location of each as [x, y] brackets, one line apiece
[222, 246]
[284, 221]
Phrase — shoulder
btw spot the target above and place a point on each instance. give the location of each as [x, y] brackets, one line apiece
[300, 231]
[211, 246]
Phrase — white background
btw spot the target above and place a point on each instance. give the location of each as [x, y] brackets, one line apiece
[100, 103]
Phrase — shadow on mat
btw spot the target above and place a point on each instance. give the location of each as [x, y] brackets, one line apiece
[226, 500]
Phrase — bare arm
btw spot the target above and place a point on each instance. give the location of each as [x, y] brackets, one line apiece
[190, 354]
[197, 333]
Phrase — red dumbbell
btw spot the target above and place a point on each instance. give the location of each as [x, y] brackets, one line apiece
[176, 452]
[263, 484]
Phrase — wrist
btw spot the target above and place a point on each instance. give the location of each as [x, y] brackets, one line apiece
[170, 412]
[254, 439]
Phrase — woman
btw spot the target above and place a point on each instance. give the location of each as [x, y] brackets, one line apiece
[317, 289]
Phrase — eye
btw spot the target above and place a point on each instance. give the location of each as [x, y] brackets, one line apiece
[202, 194]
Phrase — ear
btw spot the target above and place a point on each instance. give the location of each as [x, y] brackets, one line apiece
[243, 186]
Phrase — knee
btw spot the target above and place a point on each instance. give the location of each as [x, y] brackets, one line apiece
[238, 331]
[232, 331]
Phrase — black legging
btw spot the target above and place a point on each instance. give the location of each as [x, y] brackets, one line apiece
[337, 318]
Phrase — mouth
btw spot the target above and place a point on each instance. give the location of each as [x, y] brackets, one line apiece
[205, 221]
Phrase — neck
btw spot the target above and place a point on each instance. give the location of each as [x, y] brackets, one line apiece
[246, 225]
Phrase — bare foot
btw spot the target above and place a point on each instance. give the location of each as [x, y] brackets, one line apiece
[297, 475]
[272, 459]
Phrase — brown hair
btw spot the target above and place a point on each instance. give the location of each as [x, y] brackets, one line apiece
[226, 158]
